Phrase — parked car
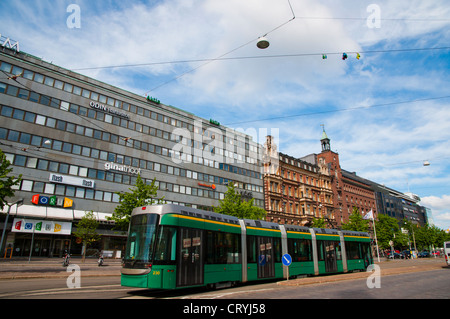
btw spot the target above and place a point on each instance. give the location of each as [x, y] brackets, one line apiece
[406, 254]
[436, 253]
[394, 255]
[424, 254]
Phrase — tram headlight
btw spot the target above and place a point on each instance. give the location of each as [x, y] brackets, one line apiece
[147, 265]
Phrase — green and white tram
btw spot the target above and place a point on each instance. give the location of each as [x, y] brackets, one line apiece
[172, 246]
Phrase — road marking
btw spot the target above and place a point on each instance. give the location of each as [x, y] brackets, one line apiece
[64, 290]
[225, 294]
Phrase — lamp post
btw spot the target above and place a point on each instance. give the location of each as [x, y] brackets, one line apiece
[18, 202]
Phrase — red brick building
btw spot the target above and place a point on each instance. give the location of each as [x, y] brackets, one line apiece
[296, 190]
[349, 190]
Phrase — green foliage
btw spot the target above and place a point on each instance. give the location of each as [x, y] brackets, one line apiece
[387, 229]
[318, 223]
[356, 222]
[426, 237]
[6, 182]
[142, 195]
[86, 230]
[234, 205]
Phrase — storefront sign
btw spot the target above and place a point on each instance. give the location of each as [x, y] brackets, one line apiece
[70, 180]
[207, 185]
[122, 168]
[21, 225]
[52, 201]
[112, 110]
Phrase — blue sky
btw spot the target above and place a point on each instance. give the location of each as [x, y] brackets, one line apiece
[366, 105]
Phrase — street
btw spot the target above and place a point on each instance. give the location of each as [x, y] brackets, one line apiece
[56, 288]
[409, 279]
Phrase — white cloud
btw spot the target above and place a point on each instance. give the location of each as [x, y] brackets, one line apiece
[440, 207]
[385, 144]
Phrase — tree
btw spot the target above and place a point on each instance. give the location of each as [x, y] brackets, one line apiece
[356, 222]
[234, 205]
[6, 182]
[429, 236]
[86, 231]
[318, 223]
[387, 230]
[143, 194]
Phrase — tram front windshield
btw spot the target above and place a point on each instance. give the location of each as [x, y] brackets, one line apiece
[141, 239]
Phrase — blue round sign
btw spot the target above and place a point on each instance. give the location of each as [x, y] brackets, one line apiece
[262, 260]
[287, 260]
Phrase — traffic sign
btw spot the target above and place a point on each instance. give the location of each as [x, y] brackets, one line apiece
[262, 260]
[287, 260]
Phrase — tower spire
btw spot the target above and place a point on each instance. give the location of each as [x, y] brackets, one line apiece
[325, 141]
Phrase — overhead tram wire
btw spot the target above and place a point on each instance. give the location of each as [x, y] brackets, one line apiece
[222, 58]
[381, 19]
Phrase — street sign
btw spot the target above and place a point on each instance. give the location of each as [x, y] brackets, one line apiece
[262, 260]
[287, 260]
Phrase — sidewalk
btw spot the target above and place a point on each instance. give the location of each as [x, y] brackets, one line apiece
[20, 268]
[387, 268]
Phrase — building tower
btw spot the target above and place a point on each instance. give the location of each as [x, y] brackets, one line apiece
[325, 140]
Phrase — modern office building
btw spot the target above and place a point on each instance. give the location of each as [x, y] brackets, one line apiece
[78, 141]
[401, 206]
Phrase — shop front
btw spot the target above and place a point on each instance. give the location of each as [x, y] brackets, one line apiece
[44, 238]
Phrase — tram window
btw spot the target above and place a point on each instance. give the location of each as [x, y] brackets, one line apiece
[337, 246]
[277, 249]
[353, 251]
[222, 248]
[320, 249]
[251, 251]
[166, 244]
[141, 239]
[300, 249]
[365, 249]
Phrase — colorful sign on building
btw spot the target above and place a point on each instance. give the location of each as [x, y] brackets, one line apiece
[52, 201]
[21, 225]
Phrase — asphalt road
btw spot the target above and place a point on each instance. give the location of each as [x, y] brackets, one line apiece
[424, 285]
[409, 279]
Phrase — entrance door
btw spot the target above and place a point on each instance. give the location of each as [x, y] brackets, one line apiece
[190, 257]
[58, 248]
[266, 264]
[330, 256]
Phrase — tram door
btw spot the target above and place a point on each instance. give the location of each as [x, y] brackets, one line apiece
[266, 265]
[190, 257]
[330, 256]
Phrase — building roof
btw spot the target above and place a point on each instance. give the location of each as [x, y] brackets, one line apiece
[324, 135]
